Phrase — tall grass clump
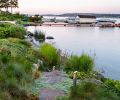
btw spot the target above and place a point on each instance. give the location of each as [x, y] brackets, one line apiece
[10, 30]
[86, 63]
[15, 73]
[91, 91]
[39, 35]
[83, 63]
[87, 90]
[18, 47]
[50, 55]
[113, 85]
[16, 69]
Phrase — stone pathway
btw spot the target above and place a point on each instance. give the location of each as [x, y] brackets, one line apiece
[49, 94]
[52, 84]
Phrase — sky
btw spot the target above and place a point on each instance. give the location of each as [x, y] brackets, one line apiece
[68, 6]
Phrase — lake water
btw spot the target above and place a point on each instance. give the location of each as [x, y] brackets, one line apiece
[102, 42]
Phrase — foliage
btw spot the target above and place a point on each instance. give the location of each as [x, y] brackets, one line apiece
[49, 55]
[18, 47]
[5, 96]
[36, 18]
[10, 30]
[39, 35]
[19, 41]
[91, 91]
[62, 98]
[8, 4]
[21, 22]
[86, 63]
[6, 16]
[36, 74]
[16, 68]
[82, 75]
[80, 63]
[15, 72]
[113, 85]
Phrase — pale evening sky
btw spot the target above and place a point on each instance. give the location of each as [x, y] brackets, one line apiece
[68, 6]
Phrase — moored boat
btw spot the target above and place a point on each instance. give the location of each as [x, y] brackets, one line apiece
[105, 23]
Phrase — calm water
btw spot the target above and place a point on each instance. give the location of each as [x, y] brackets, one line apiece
[104, 42]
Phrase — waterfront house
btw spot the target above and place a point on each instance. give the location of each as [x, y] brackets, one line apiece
[105, 23]
[85, 20]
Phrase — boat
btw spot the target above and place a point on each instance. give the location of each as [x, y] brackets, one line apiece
[118, 25]
[105, 23]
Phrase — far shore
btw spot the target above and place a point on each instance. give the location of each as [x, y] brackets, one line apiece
[62, 24]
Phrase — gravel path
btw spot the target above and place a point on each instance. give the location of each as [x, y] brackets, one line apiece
[49, 94]
[53, 78]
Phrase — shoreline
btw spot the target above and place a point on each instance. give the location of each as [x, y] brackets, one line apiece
[68, 25]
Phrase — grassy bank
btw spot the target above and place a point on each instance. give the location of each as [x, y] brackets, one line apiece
[16, 63]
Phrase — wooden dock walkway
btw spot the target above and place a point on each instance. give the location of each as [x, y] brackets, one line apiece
[66, 24]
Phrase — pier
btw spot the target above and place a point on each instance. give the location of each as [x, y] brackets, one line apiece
[69, 25]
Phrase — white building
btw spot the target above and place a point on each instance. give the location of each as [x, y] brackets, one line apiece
[105, 22]
[86, 20]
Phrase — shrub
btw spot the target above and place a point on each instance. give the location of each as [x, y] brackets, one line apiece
[12, 73]
[73, 63]
[17, 47]
[91, 91]
[36, 74]
[113, 85]
[62, 98]
[86, 63]
[17, 31]
[10, 30]
[5, 95]
[5, 16]
[49, 54]
[83, 63]
[39, 35]
[82, 75]
[19, 41]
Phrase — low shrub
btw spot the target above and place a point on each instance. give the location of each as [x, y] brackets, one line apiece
[19, 41]
[83, 63]
[113, 85]
[86, 63]
[49, 55]
[36, 74]
[17, 47]
[10, 30]
[91, 91]
[12, 73]
[4, 95]
[62, 98]
[82, 75]
[39, 35]
[5, 16]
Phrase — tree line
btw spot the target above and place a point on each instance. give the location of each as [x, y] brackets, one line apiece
[6, 4]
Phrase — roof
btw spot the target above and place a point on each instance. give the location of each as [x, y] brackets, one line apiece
[86, 16]
[106, 20]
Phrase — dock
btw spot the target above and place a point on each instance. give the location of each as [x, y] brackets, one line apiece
[60, 24]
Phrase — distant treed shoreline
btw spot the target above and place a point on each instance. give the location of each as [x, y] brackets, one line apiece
[75, 14]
